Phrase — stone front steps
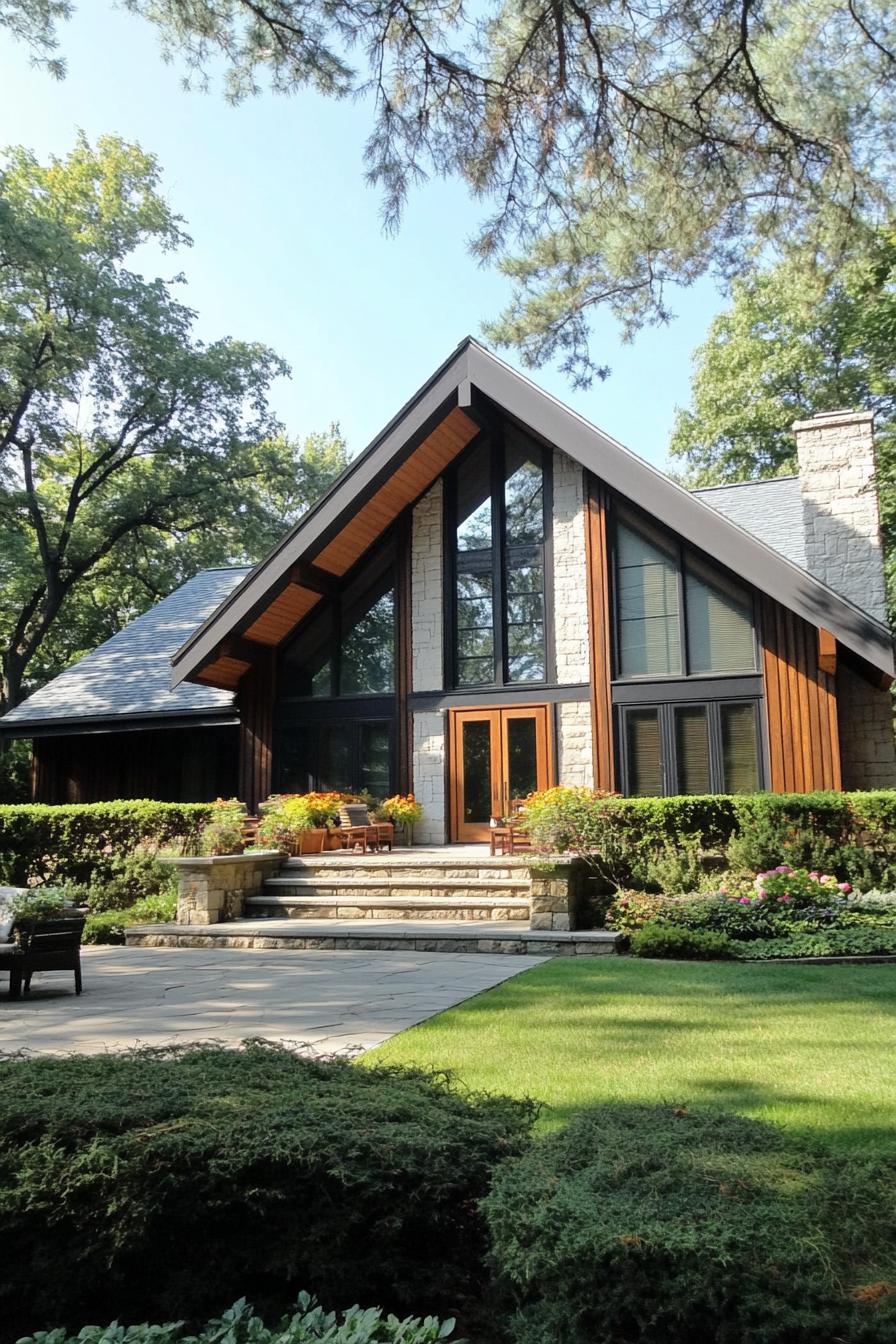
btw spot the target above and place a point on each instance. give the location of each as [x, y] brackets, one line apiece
[361, 935]
[397, 887]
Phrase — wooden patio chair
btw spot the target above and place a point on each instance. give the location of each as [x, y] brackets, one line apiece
[510, 837]
[50, 945]
[358, 829]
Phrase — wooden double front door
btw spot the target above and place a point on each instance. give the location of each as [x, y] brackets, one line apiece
[496, 756]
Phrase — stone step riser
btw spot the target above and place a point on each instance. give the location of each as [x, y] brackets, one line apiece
[474, 872]
[489, 946]
[359, 894]
[258, 909]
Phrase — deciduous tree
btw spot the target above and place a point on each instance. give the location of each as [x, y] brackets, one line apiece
[131, 453]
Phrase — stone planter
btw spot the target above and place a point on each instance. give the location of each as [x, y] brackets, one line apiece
[211, 890]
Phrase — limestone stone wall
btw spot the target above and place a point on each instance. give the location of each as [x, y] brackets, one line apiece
[212, 890]
[570, 572]
[867, 744]
[429, 776]
[559, 892]
[575, 753]
[841, 517]
[426, 592]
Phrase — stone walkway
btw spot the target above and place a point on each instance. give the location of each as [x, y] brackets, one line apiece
[326, 1001]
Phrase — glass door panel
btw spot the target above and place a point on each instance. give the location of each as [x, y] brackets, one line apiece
[498, 756]
[477, 771]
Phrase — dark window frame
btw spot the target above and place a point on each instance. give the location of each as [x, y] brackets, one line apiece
[666, 710]
[628, 514]
[354, 723]
[494, 440]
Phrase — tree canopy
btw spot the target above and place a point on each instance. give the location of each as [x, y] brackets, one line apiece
[131, 453]
[782, 353]
[619, 149]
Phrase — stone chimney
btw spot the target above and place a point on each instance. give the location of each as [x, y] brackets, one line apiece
[841, 517]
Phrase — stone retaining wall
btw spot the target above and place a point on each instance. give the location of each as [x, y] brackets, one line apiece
[211, 890]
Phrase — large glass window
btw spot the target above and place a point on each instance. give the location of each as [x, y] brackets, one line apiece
[675, 614]
[348, 755]
[367, 652]
[499, 578]
[348, 647]
[690, 748]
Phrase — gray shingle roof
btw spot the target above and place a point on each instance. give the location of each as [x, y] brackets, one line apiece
[772, 510]
[130, 674]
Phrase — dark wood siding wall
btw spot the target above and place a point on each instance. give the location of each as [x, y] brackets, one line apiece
[801, 704]
[256, 702]
[174, 765]
[599, 622]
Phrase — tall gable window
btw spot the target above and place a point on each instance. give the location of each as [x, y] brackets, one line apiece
[498, 541]
[675, 616]
[687, 692]
[335, 722]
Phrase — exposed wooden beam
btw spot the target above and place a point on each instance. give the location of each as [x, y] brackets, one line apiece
[241, 649]
[307, 575]
[827, 652]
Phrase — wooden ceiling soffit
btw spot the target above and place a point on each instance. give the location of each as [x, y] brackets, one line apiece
[225, 673]
[291, 605]
[415, 475]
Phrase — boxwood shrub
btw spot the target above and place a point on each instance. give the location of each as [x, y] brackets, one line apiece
[86, 843]
[655, 1225]
[664, 941]
[154, 1184]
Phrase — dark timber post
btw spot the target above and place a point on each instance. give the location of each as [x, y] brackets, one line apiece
[256, 701]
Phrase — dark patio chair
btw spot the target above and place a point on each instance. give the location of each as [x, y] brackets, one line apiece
[12, 960]
[50, 945]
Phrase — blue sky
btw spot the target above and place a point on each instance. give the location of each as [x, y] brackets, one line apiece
[288, 247]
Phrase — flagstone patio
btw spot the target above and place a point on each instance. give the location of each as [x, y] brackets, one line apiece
[320, 1001]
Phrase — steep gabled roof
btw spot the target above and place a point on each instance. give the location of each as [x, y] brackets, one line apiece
[414, 448]
[128, 677]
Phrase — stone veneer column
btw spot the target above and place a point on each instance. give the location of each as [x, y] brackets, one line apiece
[867, 745]
[426, 592]
[570, 573]
[841, 517]
[429, 776]
[575, 749]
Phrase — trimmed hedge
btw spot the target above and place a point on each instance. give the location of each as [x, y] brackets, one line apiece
[652, 1224]
[82, 843]
[850, 834]
[154, 1184]
[675, 944]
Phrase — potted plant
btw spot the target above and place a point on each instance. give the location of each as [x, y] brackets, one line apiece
[404, 812]
[285, 823]
[223, 833]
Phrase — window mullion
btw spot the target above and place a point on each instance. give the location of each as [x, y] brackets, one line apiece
[499, 606]
[682, 617]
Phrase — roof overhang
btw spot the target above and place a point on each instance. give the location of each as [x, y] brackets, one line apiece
[131, 723]
[412, 452]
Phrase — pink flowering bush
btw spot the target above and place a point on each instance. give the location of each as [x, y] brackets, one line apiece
[798, 888]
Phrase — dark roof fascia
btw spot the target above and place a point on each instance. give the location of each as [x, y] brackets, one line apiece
[362, 476]
[130, 723]
[680, 511]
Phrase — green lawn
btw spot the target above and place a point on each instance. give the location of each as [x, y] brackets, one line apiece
[810, 1047]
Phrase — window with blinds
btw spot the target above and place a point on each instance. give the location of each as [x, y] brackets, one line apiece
[647, 607]
[691, 749]
[675, 615]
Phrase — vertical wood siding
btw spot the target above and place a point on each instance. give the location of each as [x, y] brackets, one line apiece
[599, 618]
[256, 700]
[801, 705]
